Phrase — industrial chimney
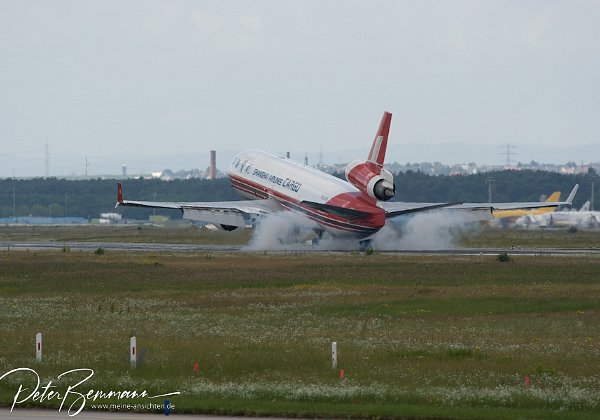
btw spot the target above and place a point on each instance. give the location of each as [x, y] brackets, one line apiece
[213, 165]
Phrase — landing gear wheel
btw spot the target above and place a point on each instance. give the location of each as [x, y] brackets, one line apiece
[317, 239]
[365, 245]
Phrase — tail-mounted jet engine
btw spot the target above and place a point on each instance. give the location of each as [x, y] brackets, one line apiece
[371, 179]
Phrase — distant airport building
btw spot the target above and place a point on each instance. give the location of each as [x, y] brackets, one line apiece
[31, 220]
[109, 218]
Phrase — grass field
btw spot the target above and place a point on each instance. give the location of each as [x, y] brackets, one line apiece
[176, 233]
[535, 238]
[418, 336]
[188, 234]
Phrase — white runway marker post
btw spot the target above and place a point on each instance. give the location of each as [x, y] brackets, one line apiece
[38, 347]
[133, 351]
[334, 354]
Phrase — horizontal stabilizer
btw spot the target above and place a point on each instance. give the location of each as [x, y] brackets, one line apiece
[417, 208]
[338, 211]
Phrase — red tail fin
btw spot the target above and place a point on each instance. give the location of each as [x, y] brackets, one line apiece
[377, 153]
[119, 193]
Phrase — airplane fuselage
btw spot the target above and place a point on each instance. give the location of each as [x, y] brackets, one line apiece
[320, 196]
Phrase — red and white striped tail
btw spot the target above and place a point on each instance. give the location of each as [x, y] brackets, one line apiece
[377, 153]
[369, 176]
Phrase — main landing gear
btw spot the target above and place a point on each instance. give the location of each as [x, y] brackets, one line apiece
[365, 245]
[317, 239]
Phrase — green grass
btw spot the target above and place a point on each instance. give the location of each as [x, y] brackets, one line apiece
[535, 238]
[418, 336]
[187, 234]
[174, 233]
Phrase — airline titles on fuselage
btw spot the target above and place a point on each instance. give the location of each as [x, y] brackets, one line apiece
[287, 183]
[247, 167]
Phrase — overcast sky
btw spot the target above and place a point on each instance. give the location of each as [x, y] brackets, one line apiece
[126, 81]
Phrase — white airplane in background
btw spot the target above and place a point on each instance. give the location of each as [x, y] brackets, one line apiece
[357, 207]
[583, 218]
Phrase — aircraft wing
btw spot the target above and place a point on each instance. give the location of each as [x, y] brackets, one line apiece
[399, 208]
[482, 210]
[513, 214]
[226, 214]
[534, 204]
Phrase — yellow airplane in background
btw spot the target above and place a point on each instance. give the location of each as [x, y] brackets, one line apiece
[505, 214]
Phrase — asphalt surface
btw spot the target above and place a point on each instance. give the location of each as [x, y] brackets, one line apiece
[120, 246]
[163, 247]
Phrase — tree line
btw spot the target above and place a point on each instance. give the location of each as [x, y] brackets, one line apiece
[55, 197]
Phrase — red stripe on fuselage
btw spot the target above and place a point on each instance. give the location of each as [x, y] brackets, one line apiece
[322, 218]
[248, 189]
[365, 226]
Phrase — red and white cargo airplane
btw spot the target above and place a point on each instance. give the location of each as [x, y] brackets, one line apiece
[355, 208]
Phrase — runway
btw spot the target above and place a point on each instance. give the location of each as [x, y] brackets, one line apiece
[300, 249]
[118, 246]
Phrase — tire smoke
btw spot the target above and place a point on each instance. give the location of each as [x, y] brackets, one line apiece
[291, 231]
[436, 230]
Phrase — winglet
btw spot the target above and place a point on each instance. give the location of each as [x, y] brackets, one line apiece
[119, 194]
[572, 195]
[377, 153]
